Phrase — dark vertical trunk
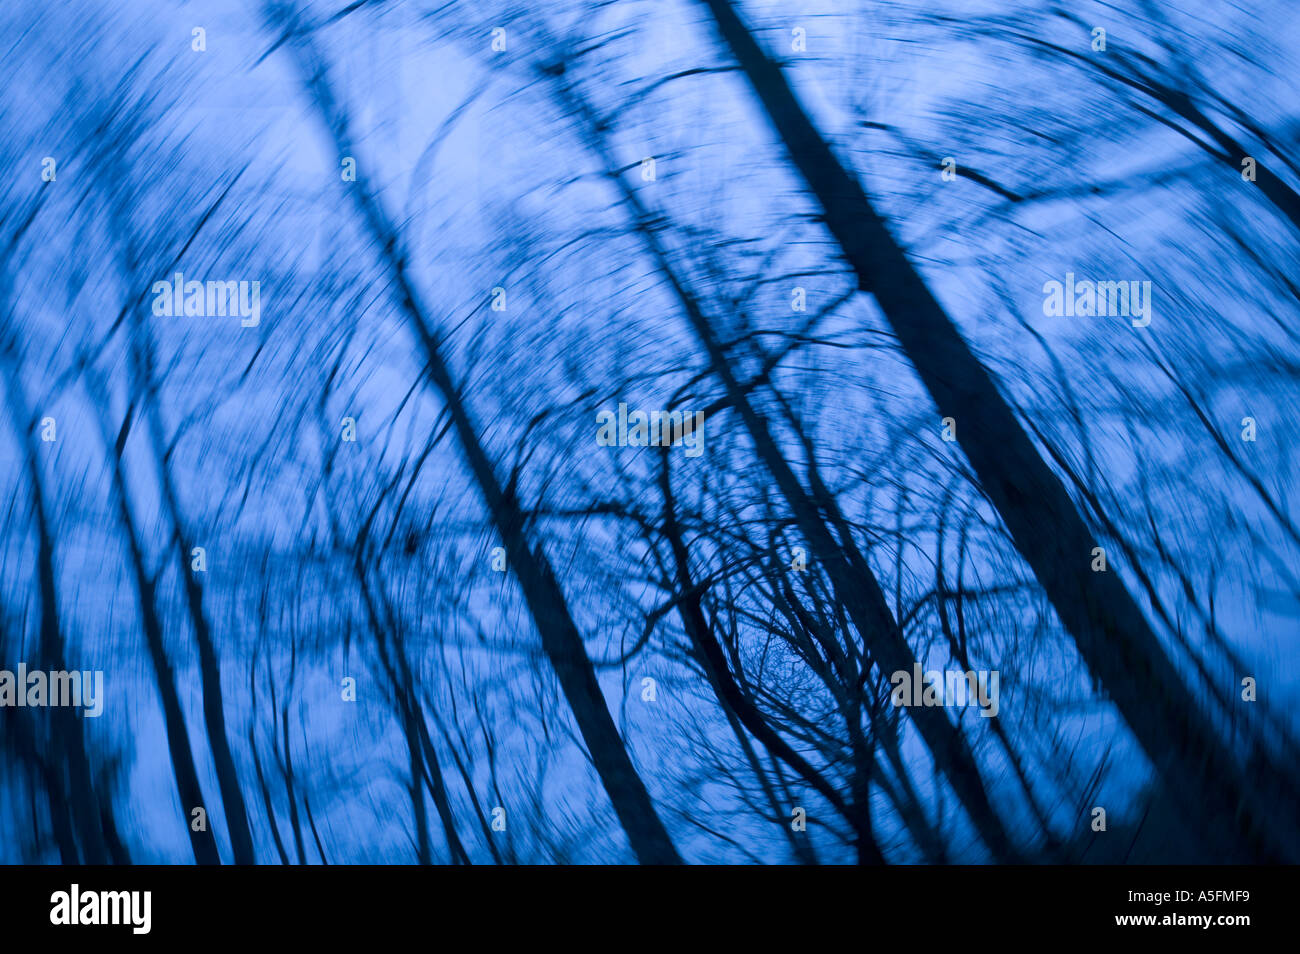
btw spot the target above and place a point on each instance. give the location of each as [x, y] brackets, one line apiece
[142, 357]
[214, 719]
[214, 715]
[311, 823]
[561, 641]
[19, 735]
[463, 770]
[424, 851]
[851, 576]
[294, 823]
[117, 850]
[188, 789]
[74, 789]
[908, 802]
[266, 798]
[1109, 629]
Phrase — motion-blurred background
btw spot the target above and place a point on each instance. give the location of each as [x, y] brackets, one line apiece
[364, 584]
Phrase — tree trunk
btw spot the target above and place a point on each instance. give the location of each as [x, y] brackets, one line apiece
[188, 789]
[560, 638]
[851, 576]
[1109, 629]
[214, 719]
[75, 790]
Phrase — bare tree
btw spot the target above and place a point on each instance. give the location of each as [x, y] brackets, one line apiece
[1111, 633]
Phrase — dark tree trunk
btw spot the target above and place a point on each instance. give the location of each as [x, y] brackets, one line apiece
[232, 798]
[546, 602]
[1109, 629]
[188, 789]
[74, 791]
[851, 576]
